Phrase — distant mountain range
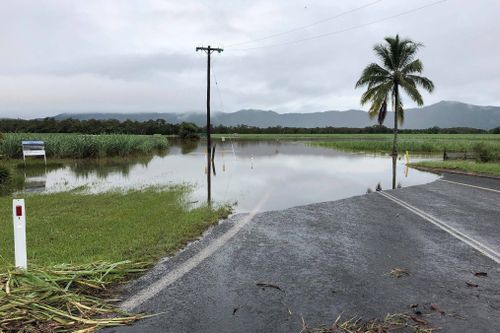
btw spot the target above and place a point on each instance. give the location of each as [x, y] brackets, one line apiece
[443, 114]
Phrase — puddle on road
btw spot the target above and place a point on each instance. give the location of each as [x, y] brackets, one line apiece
[291, 173]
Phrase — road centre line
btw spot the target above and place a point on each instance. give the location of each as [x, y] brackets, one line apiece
[469, 185]
[484, 249]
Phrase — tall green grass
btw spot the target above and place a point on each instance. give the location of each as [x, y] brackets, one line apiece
[84, 146]
[416, 143]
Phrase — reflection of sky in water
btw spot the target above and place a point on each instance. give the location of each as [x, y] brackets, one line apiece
[292, 173]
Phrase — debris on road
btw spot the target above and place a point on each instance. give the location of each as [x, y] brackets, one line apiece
[392, 322]
[436, 308]
[472, 285]
[398, 272]
[268, 285]
[484, 274]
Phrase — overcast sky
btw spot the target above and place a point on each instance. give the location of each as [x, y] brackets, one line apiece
[138, 56]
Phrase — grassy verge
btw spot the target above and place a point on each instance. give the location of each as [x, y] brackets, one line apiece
[101, 239]
[84, 146]
[80, 228]
[469, 167]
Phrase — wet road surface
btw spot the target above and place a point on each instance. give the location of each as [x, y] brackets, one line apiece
[334, 258]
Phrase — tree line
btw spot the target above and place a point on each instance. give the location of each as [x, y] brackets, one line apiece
[190, 130]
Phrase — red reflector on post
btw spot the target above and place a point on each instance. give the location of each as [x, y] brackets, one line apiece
[19, 210]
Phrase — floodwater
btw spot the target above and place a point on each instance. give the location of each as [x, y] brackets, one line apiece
[269, 175]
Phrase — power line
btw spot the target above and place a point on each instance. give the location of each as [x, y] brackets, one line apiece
[344, 30]
[217, 86]
[305, 26]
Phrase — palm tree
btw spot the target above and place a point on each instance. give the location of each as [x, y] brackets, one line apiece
[399, 69]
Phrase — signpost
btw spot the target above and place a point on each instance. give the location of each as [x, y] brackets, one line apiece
[19, 215]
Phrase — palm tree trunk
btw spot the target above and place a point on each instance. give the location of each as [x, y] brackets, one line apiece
[395, 141]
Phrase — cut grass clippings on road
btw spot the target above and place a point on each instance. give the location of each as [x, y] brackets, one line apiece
[391, 323]
[62, 298]
[398, 272]
[467, 167]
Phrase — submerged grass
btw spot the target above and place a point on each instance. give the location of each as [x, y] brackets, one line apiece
[84, 146]
[472, 167]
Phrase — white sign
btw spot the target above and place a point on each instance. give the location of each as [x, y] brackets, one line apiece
[19, 214]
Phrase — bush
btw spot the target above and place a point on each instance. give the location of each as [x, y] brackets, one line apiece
[483, 154]
[4, 174]
[188, 131]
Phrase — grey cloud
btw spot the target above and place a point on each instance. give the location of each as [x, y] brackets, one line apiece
[128, 56]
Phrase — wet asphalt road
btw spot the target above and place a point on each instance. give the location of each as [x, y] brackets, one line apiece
[334, 258]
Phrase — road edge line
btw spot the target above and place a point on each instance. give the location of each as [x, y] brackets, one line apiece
[154, 289]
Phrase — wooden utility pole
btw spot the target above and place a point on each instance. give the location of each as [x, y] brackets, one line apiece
[209, 51]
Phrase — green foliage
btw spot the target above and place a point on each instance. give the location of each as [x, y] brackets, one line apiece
[138, 225]
[85, 146]
[489, 168]
[92, 126]
[4, 174]
[189, 131]
[483, 152]
[414, 143]
[398, 69]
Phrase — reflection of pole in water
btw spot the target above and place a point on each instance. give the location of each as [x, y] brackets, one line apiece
[213, 159]
[394, 159]
[251, 162]
[407, 160]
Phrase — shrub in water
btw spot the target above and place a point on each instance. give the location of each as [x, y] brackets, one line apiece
[483, 154]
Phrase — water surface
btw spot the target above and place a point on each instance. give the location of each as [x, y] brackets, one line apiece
[279, 174]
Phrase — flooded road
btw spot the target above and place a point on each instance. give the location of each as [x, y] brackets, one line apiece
[286, 173]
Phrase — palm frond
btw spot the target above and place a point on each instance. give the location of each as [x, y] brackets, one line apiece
[376, 94]
[382, 112]
[410, 88]
[422, 81]
[413, 67]
[373, 74]
[384, 55]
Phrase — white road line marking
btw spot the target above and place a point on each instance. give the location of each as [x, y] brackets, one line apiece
[172, 276]
[484, 249]
[469, 185]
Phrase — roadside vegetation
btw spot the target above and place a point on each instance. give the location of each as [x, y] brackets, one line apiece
[471, 167]
[137, 225]
[414, 143]
[84, 146]
[102, 239]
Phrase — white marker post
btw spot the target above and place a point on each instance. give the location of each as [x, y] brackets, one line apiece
[19, 213]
